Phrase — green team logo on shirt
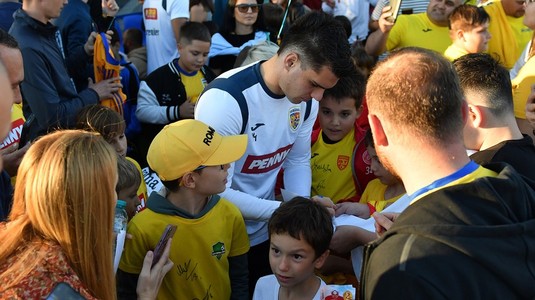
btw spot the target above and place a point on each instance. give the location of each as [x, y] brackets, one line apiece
[218, 249]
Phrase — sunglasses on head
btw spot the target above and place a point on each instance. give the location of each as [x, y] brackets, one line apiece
[244, 8]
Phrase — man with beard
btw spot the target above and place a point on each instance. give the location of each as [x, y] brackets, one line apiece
[426, 30]
[468, 231]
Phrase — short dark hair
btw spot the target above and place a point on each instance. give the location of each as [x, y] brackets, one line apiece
[346, 24]
[480, 73]
[101, 119]
[466, 17]
[127, 173]
[302, 218]
[134, 35]
[418, 91]
[8, 40]
[321, 41]
[353, 86]
[362, 59]
[194, 31]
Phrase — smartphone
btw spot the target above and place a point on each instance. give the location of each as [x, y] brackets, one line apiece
[395, 5]
[168, 233]
[64, 291]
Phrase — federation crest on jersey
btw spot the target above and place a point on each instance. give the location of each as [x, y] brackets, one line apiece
[218, 249]
[151, 13]
[294, 117]
[342, 162]
[366, 158]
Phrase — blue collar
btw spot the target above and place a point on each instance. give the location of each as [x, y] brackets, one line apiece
[465, 170]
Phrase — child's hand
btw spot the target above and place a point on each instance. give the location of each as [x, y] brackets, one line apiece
[186, 110]
[351, 208]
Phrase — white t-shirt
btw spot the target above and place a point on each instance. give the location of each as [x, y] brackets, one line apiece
[278, 136]
[267, 288]
[160, 37]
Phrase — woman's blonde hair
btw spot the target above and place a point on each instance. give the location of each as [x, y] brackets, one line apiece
[65, 193]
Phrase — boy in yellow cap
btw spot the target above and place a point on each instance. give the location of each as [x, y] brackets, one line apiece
[210, 246]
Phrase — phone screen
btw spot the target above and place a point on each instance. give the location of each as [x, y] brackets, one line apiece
[168, 233]
[64, 291]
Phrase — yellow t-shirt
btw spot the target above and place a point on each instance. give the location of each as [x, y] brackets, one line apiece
[453, 52]
[374, 194]
[418, 31]
[332, 174]
[199, 250]
[478, 173]
[142, 190]
[194, 85]
[522, 87]
[509, 35]
[17, 122]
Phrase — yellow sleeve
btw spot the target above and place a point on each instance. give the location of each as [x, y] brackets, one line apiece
[134, 251]
[397, 32]
[522, 87]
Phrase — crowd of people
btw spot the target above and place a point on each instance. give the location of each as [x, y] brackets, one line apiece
[292, 144]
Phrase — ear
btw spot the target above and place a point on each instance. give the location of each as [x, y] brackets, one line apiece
[459, 34]
[476, 116]
[188, 180]
[379, 136]
[318, 263]
[290, 60]
[359, 111]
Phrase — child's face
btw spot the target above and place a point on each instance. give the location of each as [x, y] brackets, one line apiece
[213, 179]
[193, 55]
[293, 261]
[119, 143]
[378, 170]
[337, 119]
[129, 195]
[477, 39]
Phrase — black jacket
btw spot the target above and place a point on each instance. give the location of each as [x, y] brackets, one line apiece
[469, 241]
[48, 91]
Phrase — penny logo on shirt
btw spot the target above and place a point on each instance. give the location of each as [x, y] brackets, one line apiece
[295, 116]
[342, 162]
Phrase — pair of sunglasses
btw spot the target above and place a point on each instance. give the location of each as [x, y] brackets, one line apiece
[244, 8]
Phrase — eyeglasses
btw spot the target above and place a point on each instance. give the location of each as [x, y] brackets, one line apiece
[244, 8]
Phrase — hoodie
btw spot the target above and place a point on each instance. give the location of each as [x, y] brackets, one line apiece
[469, 241]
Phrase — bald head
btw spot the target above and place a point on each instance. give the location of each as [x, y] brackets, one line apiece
[417, 92]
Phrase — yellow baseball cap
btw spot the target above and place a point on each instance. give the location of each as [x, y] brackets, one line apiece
[185, 145]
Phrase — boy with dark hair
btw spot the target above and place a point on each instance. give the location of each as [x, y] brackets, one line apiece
[170, 92]
[210, 246]
[469, 31]
[300, 231]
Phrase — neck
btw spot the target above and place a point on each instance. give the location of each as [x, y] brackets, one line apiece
[496, 135]
[430, 162]
[267, 70]
[394, 190]
[188, 200]
[305, 290]
[34, 12]
[438, 23]
[243, 29]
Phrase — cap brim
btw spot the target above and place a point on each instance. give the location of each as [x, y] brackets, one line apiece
[231, 149]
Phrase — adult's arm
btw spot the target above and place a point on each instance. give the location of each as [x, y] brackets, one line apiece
[376, 43]
[297, 172]
[178, 11]
[224, 116]
[41, 93]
